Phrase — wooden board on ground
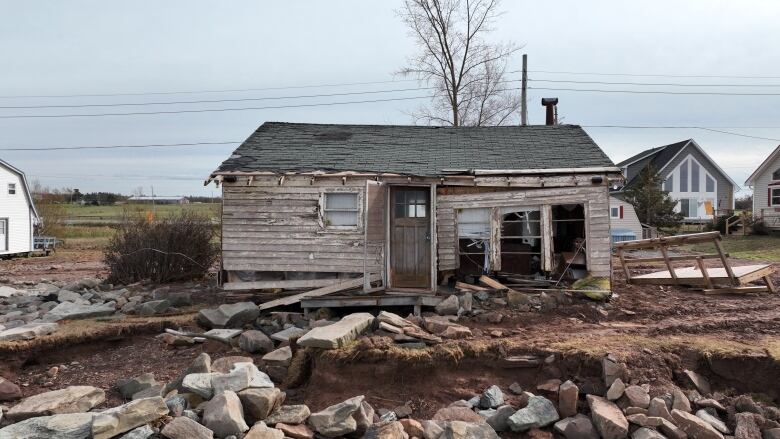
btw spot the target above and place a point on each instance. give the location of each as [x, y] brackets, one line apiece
[693, 276]
[415, 300]
[492, 283]
[324, 291]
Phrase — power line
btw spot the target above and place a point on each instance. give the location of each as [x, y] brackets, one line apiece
[659, 92]
[208, 110]
[670, 84]
[210, 101]
[291, 87]
[153, 145]
[653, 75]
[714, 130]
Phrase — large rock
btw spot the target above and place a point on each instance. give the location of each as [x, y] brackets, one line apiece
[716, 423]
[337, 420]
[611, 369]
[185, 428]
[659, 409]
[646, 433]
[226, 364]
[448, 306]
[200, 384]
[694, 427]
[142, 432]
[28, 331]
[338, 334]
[498, 418]
[231, 315]
[154, 307]
[9, 391]
[201, 364]
[458, 413]
[262, 431]
[117, 420]
[491, 398]
[608, 418]
[259, 403]
[74, 399]
[63, 426]
[577, 427]
[129, 387]
[393, 319]
[466, 430]
[747, 427]
[289, 414]
[289, 334]
[296, 431]
[701, 383]
[540, 412]
[235, 381]
[568, 394]
[72, 311]
[279, 357]
[255, 342]
[680, 401]
[224, 415]
[637, 396]
[616, 390]
[386, 430]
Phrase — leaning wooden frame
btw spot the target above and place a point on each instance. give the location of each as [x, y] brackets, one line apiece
[716, 280]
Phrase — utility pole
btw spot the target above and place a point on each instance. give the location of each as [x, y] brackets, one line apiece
[524, 93]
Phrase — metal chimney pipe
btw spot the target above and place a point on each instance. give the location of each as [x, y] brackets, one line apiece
[552, 116]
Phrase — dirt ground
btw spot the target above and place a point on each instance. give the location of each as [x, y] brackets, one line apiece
[657, 331]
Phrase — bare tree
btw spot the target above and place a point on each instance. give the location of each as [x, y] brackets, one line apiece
[466, 72]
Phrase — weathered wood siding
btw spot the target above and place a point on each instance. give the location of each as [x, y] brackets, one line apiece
[595, 199]
[268, 226]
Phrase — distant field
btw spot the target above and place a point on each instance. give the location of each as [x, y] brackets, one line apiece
[78, 213]
[763, 248]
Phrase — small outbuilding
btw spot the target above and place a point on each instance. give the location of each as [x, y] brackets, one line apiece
[409, 207]
[18, 215]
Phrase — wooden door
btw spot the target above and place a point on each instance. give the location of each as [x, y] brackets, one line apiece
[4, 234]
[410, 237]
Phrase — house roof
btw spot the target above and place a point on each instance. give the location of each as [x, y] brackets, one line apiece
[660, 156]
[762, 166]
[413, 150]
[25, 186]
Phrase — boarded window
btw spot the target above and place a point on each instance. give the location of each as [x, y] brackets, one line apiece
[684, 176]
[341, 209]
[11, 188]
[694, 177]
[709, 184]
[669, 183]
[474, 240]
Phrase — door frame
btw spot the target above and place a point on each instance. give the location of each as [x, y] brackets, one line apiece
[432, 225]
[7, 242]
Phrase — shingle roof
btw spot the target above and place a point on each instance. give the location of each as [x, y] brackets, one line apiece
[413, 150]
[655, 157]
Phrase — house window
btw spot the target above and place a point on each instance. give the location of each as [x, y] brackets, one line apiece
[689, 207]
[474, 240]
[11, 188]
[684, 176]
[776, 174]
[694, 177]
[614, 212]
[669, 183]
[710, 184]
[341, 209]
[411, 204]
[774, 196]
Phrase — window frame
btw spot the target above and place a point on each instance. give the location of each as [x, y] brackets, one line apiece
[772, 196]
[614, 212]
[12, 189]
[323, 221]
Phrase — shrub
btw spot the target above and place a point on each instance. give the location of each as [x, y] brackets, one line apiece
[178, 247]
[720, 225]
[759, 228]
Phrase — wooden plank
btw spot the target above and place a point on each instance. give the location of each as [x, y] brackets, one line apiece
[492, 283]
[671, 258]
[547, 238]
[705, 275]
[324, 291]
[369, 301]
[669, 240]
[273, 284]
[469, 287]
[769, 285]
[725, 261]
[736, 290]
[623, 265]
[668, 262]
[693, 276]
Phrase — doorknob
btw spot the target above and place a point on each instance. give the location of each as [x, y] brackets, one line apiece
[427, 236]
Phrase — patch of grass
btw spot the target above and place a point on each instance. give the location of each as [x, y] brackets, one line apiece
[762, 248]
[95, 231]
[76, 211]
[707, 345]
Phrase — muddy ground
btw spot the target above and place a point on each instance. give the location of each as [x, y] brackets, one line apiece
[657, 331]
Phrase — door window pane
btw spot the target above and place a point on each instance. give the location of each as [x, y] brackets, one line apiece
[411, 204]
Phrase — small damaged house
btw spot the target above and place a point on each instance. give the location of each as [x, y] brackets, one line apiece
[412, 207]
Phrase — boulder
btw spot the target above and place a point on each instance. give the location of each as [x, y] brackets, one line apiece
[747, 427]
[154, 307]
[456, 332]
[710, 403]
[671, 431]
[458, 413]
[694, 427]
[643, 420]
[62, 426]
[255, 342]
[637, 396]
[607, 418]
[235, 381]
[129, 387]
[338, 334]
[577, 427]
[611, 369]
[616, 390]
[226, 364]
[540, 412]
[230, 315]
[646, 433]
[448, 306]
[466, 430]
[114, 421]
[224, 335]
[296, 431]
[659, 409]
[716, 423]
[200, 384]
[177, 404]
[386, 430]
[9, 391]
[259, 403]
[393, 319]
[279, 357]
[224, 415]
[142, 432]
[491, 398]
[72, 311]
[337, 420]
[262, 431]
[185, 428]
[289, 414]
[498, 418]
[364, 417]
[28, 331]
[680, 401]
[291, 333]
[68, 296]
[201, 364]
[413, 427]
[568, 394]
[701, 383]
[73, 399]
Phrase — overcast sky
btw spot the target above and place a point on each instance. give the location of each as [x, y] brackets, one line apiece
[149, 46]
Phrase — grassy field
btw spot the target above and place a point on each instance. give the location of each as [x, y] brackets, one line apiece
[764, 248]
[75, 211]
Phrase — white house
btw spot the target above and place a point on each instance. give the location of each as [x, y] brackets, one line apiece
[623, 222]
[17, 212]
[691, 177]
[765, 182]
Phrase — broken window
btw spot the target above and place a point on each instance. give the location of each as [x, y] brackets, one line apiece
[341, 209]
[568, 228]
[521, 240]
[474, 240]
